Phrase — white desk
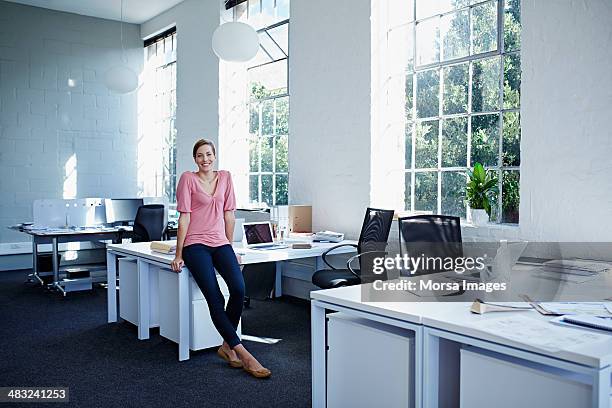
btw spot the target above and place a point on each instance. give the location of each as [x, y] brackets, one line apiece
[146, 258]
[432, 322]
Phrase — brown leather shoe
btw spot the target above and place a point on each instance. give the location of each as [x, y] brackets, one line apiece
[226, 357]
[261, 373]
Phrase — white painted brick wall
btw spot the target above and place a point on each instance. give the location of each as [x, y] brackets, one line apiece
[197, 86]
[44, 120]
[329, 79]
[566, 105]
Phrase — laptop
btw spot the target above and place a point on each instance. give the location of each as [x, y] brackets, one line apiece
[258, 235]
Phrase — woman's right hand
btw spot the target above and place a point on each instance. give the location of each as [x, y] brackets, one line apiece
[177, 263]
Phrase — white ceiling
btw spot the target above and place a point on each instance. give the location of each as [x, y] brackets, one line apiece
[134, 11]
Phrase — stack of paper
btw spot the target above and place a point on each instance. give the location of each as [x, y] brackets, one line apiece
[164, 247]
[603, 309]
[575, 266]
[573, 270]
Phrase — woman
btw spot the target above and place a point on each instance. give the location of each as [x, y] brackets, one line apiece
[206, 202]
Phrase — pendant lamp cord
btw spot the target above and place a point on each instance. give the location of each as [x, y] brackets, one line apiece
[121, 34]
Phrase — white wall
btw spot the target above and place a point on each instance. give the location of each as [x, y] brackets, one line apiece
[44, 121]
[197, 87]
[566, 106]
[329, 120]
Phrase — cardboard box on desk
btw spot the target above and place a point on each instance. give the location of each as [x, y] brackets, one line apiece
[300, 218]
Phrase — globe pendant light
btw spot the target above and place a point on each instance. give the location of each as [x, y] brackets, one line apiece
[235, 42]
[121, 79]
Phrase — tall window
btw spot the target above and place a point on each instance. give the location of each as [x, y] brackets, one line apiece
[160, 54]
[268, 89]
[462, 80]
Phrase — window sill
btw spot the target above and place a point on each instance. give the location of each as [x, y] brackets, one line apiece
[493, 232]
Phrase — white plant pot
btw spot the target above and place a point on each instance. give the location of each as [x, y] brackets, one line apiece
[479, 217]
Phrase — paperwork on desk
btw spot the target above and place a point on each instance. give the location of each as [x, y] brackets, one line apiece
[573, 270]
[576, 266]
[603, 309]
[539, 333]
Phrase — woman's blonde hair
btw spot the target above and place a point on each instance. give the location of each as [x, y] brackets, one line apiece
[201, 143]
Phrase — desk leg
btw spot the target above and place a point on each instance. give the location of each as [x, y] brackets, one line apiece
[143, 300]
[278, 280]
[601, 388]
[430, 361]
[319, 371]
[418, 367]
[35, 261]
[111, 286]
[183, 304]
[56, 279]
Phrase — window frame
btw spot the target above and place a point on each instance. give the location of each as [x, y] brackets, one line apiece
[499, 53]
[260, 136]
[166, 182]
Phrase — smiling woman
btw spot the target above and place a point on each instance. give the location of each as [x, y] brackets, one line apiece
[206, 201]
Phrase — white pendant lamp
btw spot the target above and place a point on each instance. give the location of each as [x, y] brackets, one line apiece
[121, 79]
[235, 42]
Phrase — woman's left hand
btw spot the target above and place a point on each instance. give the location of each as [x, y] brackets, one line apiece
[239, 258]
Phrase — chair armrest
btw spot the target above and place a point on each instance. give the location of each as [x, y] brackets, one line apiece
[324, 254]
[352, 258]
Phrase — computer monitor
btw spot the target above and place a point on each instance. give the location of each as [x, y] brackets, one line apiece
[121, 210]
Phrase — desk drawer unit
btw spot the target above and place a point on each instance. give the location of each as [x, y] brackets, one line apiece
[368, 364]
[128, 292]
[489, 379]
[202, 332]
[297, 279]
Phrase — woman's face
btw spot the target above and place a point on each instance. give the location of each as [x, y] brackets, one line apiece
[205, 158]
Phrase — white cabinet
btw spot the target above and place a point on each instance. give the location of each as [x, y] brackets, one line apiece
[489, 379]
[202, 332]
[369, 364]
[128, 292]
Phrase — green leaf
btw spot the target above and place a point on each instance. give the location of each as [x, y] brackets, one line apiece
[479, 172]
[492, 183]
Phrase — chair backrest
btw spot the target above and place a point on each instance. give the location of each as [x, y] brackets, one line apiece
[374, 234]
[149, 223]
[430, 236]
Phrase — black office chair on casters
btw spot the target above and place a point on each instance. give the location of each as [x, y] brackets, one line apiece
[430, 236]
[372, 243]
[149, 224]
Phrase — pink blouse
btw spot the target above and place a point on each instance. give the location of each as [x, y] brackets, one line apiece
[206, 225]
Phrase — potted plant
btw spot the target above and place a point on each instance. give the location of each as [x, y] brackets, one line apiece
[481, 186]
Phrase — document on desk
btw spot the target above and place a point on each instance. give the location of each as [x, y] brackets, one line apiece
[603, 309]
[566, 277]
[539, 333]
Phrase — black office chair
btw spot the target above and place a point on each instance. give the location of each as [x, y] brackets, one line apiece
[259, 281]
[372, 242]
[434, 236]
[149, 224]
